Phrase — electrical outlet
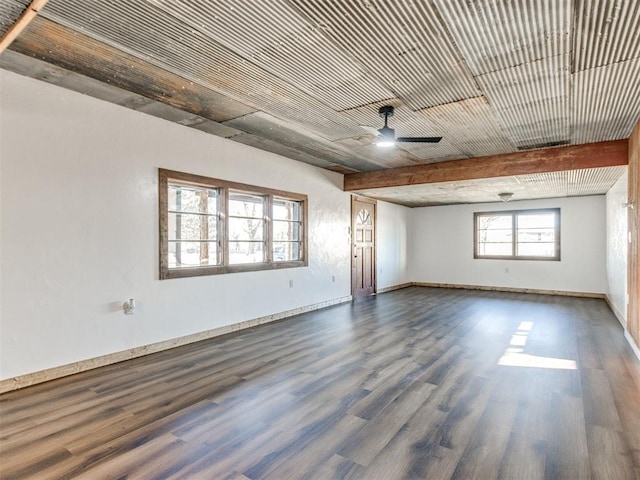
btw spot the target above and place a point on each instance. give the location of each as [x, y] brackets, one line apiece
[129, 307]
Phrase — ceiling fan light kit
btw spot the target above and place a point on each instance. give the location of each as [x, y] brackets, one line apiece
[387, 135]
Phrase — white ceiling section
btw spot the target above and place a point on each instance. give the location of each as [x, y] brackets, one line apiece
[305, 78]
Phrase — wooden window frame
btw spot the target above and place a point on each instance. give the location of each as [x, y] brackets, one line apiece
[223, 186]
[514, 237]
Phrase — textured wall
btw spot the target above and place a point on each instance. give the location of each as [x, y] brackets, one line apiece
[80, 230]
[392, 245]
[617, 246]
[442, 248]
[633, 314]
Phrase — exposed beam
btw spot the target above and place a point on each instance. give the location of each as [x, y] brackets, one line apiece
[56, 44]
[14, 30]
[575, 157]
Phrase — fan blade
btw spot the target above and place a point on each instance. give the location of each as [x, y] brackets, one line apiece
[419, 139]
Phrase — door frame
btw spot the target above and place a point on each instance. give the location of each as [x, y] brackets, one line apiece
[374, 203]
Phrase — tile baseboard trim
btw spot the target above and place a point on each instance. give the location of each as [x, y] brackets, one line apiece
[395, 287]
[561, 293]
[53, 373]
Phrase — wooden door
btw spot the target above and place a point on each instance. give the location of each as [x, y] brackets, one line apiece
[363, 261]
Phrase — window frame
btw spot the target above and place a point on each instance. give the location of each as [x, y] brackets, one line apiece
[514, 237]
[165, 177]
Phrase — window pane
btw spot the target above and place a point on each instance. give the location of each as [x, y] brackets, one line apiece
[246, 205]
[246, 252]
[286, 209]
[536, 235]
[539, 220]
[495, 249]
[286, 231]
[192, 199]
[536, 249]
[495, 235]
[286, 251]
[185, 226]
[363, 218]
[192, 254]
[494, 221]
[246, 229]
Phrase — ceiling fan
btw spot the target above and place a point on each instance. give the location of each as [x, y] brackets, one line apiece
[387, 135]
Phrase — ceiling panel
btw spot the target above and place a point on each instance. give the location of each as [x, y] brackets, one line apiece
[284, 43]
[593, 181]
[149, 33]
[403, 43]
[305, 78]
[498, 34]
[596, 180]
[606, 32]
[470, 126]
[262, 125]
[532, 101]
[10, 10]
[606, 102]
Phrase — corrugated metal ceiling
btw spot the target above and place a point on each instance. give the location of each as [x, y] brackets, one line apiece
[304, 78]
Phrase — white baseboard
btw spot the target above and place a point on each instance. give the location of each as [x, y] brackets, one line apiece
[29, 379]
[632, 343]
[619, 315]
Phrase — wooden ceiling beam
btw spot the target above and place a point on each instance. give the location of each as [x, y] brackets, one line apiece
[574, 157]
[14, 30]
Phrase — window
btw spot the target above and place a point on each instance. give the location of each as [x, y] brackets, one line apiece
[247, 228]
[210, 226]
[193, 226]
[519, 235]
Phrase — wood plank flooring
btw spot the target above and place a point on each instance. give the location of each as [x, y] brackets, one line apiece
[419, 383]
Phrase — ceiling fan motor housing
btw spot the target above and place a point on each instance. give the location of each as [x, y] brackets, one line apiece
[386, 111]
[387, 134]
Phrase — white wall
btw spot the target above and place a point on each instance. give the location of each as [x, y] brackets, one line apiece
[392, 245]
[441, 248]
[617, 247]
[79, 233]
[79, 230]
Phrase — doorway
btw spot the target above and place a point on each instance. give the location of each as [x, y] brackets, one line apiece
[363, 253]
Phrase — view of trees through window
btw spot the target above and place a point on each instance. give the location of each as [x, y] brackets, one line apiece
[523, 234]
[211, 226]
[247, 227]
[193, 226]
[286, 230]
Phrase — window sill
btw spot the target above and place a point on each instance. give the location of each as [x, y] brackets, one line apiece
[217, 270]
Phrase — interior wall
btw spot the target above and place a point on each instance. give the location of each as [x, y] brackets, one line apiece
[617, 246]
[79, 230]
[392, 260]
[633, 312]
[441, 248]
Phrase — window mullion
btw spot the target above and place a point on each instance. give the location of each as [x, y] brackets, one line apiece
[224, 221]
[514, 234]
[268, 237]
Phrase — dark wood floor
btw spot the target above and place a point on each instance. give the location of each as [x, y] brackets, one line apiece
[417, 383]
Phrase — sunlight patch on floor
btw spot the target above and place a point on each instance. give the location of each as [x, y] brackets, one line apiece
[514, 355]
